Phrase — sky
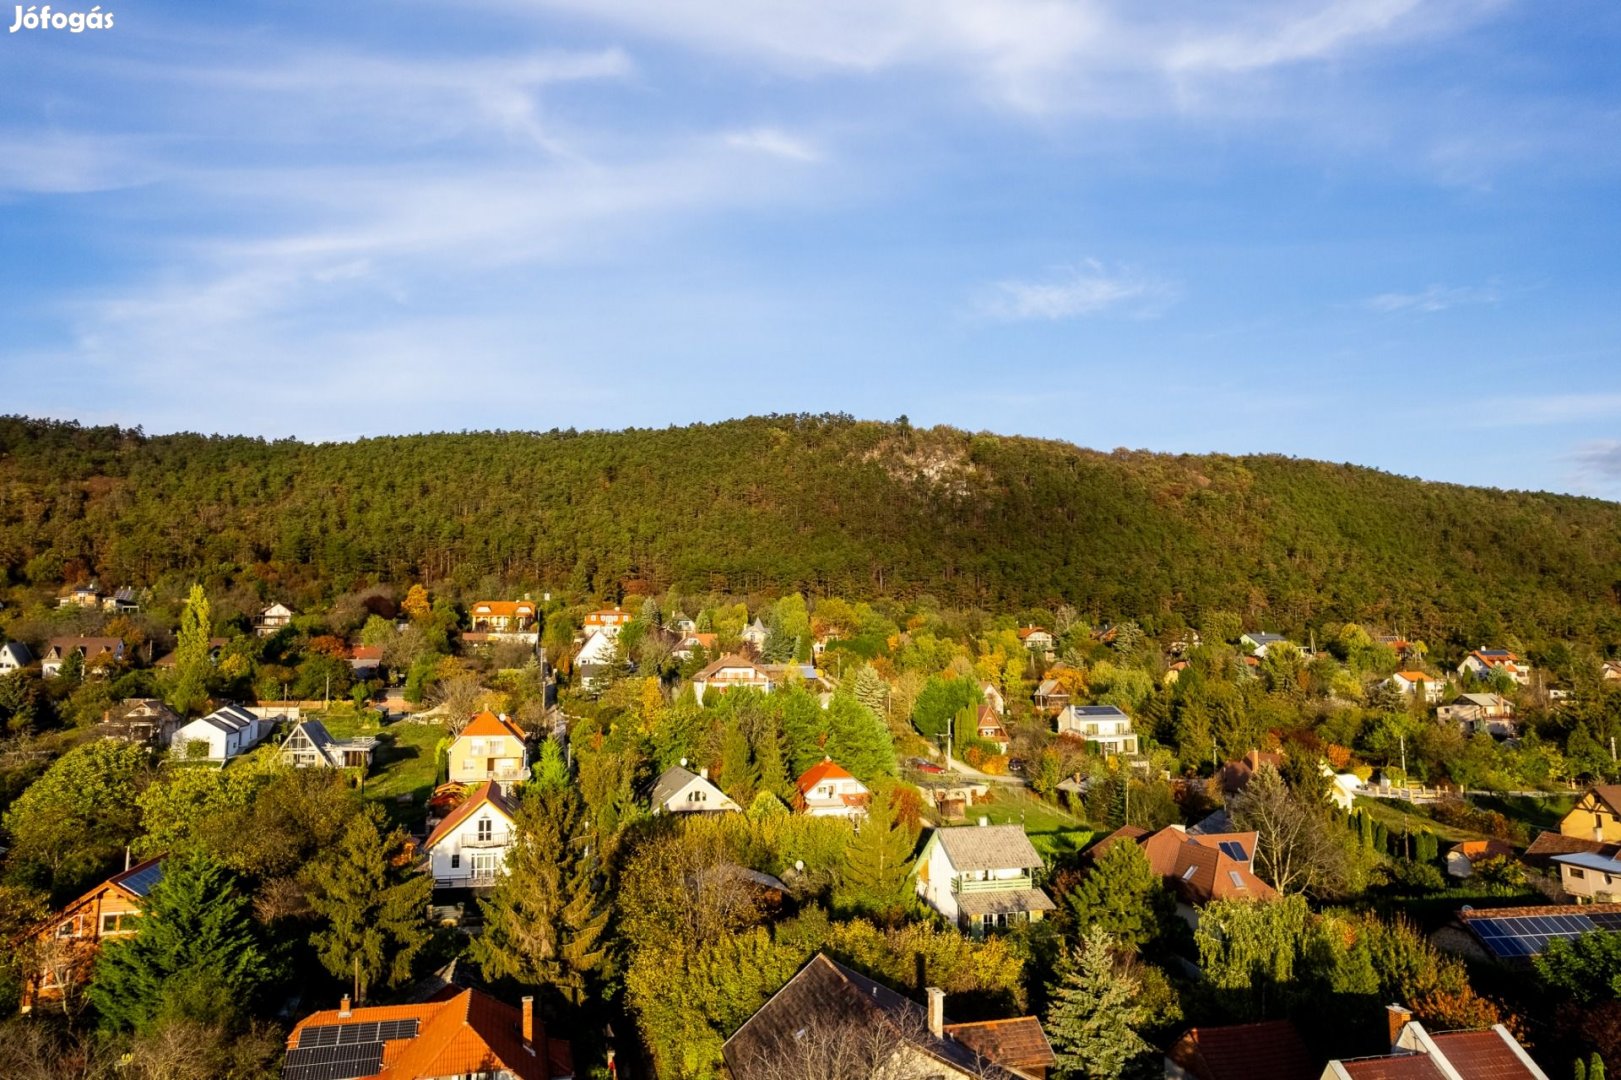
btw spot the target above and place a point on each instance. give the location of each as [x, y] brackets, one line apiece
[1383, 232]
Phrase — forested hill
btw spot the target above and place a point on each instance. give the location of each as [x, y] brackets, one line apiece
[824, 504]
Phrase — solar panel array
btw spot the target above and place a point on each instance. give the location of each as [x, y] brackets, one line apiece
[343, 1051]
[1233, 850]
[1519, 936]
[140, 883]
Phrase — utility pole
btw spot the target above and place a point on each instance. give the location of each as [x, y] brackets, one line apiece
[1403, 740]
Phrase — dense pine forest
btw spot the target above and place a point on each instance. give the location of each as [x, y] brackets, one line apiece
[823, 504]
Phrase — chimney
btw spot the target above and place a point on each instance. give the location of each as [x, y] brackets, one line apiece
[528, 1020]
[704, 772]
[343, 1007]
[1397, 1016]
[937, 1011]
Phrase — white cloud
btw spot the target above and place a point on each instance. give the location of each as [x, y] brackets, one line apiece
[1090, 289]
[778, 143]
[1435, 298]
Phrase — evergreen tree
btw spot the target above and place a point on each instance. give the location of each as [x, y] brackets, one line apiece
[1579, 1069]
[551, 772]
[1093, 1017]
[877, 861]
[738, 776]
[544, 921]
[767, 805]
[196, 954]
[1595, 1067]
[1122, 896]
[765, 747]
[189, 692]
[1365, 829]
[858, 739]
[373, 905]
[870, 689]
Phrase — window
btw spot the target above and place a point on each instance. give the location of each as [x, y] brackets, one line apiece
[1575, 872]
[1189, 872]
[109, 924]
[456, 862]
[1238, 882]
[486, 829]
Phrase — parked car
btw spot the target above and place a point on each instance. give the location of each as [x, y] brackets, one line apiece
[1016, 766]
[925, 765]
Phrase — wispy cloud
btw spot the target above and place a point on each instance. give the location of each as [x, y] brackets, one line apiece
[1531, 410]
[775, 142]
[1435, 298]
[1076, 292]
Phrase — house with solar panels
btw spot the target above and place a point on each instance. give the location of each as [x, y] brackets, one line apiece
[1200, 867]
[66, 945]
[1417, 1054]
[469, 1036]
[1517, 934]
[1103, 726]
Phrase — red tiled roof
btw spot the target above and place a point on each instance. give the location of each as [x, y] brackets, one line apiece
[825, 769]
[468, 1032]
[1406, 1067]
[1018, 1042]
[1026, 631]
[1418, 676]
[487, 792]
[730, 660]
[366, 652]
[487, 724]
[1481, 1055]
[507, 608]
[1549, 843]
[1483, 849]
[1272, 1049]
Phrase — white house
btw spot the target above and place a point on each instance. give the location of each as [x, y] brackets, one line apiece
[993, 697]
[1036, 639]
[309, 745]
[732, 671]
[1259, 642]
[225, 733]
[1104, 725]
[272, 619]
[755, 633]
[14, 656]
[468, 848]
[681, 791]
[826, 790]
[1408, 682]
[94, 651]
[980, 877]
[1474, 713]
[1484, 662]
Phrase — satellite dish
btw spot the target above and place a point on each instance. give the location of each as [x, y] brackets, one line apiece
[683, 763]
[799, 865]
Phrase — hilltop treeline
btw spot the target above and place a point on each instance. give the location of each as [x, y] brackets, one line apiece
[823, 504]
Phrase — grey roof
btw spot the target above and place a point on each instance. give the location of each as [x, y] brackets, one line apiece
[1262, 638]
[18, 652]
[671, 782]
[988, 847]
[1590, 860]
[1004, 902]
[1485, 701]
[1098, 710]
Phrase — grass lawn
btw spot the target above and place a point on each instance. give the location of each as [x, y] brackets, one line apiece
[402, 765]
[1052, 830]
[1394, 813]
[1539, 812]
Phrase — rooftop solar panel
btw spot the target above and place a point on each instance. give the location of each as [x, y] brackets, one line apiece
[1517, 936]
[332, 1062]
[1233, 850]
[140, 883]
[366, 1031]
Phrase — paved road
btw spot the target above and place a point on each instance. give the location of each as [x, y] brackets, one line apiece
[969, 772]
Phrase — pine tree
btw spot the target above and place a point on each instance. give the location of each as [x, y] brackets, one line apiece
[1365, 829]
[1579, 1069]
[738, 776]
[1122, 896]
[1595, 1067]
[1093, 1015]
[551, 772]
[770, 765]
[870, 689]
[545, 919]
[877, 861]
[196, 954]
[189, 693]
[858, 739]
[373, 905]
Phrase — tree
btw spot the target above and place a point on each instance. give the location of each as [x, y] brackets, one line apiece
[416, 605]
[1595, 1067]
[196, 955]
[189, 692]
[1297, 848]
[551, 772]
[1093, 1017]
[870, 689]
[1122, 896]
[72, 823]
[372, 903]
[545, 919]
[1585, 968]
[877, 861]
[858, 739]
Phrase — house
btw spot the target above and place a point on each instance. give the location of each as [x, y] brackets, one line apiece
[1201, 866]
[1052, 692]
[310, 746]
[597, 650]
[1591, 875]
[1451, 1055]
[826, 790]
[1173, 672]
[1539, 854]
[982, 876]
[122, 602]
[467, 1035]
[146, 721]
[1474, 713]
[516, 617]
[65, 945]
[1272, 1049]
[754, 634]
[216, 649]
[611, 620]
[1411, 682]
[681, 624]
[679, 791]
[732, 671]
[273, 619]
[1235, 775]
[1259, 642]
[691, 642]
[85, 596]
[14, 656]
[1036, 639]
[993, 697]
[468, 848]
[96, 652]
[490, 747]
[1596, 815]
[1183, 642]
[828, 1009]
[990, 728]
[1610, 671]
[223, 734]
[1461, 858]
[1484, 662]
[1104, 726]
[366, 661]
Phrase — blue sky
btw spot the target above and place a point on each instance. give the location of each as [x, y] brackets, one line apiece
[1383, 232]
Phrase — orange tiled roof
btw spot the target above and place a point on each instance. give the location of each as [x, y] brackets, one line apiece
[826, 769]
[507, 608]
[1018, 1042]
[1416, 676]
[487, 724]
[487, 792]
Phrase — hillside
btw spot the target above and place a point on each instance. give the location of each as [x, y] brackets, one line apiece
[825, 504]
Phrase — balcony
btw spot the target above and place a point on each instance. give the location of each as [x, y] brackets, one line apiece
[497, 840]
[961, 885]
